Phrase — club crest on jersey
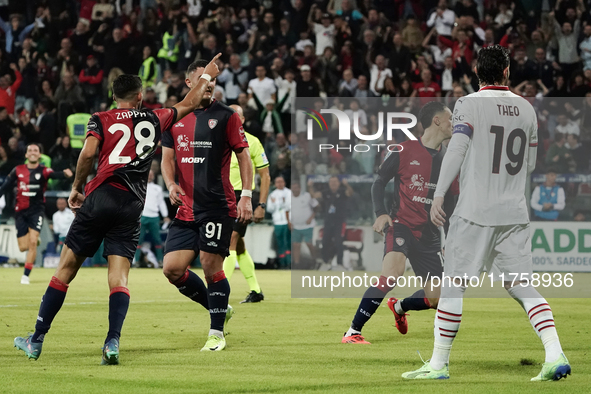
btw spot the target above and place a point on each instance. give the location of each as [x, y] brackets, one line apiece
[182, 142]
[212, 123]
[400, 241]
[417, 181]
[37, 176]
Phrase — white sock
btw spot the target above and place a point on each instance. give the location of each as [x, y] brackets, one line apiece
[541, 318]
[398, 308]
[217, 333]
[351, 331]
[447, 324]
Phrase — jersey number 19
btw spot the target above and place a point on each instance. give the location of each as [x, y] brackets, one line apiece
[516, 158]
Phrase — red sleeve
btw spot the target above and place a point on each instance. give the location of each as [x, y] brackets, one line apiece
[436, 87]
[446, 41]
[166, 117]
[17, 82]
[504, 41]
[97, 78]
[47, 172]
[82, 77]
[235, 133]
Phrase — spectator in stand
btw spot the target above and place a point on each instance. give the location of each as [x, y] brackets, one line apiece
[150, 100]
[278, 205]
[567, 36]
[6, 126]
[449, 75]
[558, 156]
[578, 153]
[47, 91]
[566, 126]
[116, 51]
[328, 66]
[62, 155]
[81, 37]
[348, 84]
[466, 8]
[542, 69]
[585, 47]
[149, 69]
[286, 95]
[91, 81]
[27, 92]
[306, 86]
[67, 58]
[234, 77]
[461, 45]
[262, 88]
[412, 35]
[442, 18]
[26, 129]
[15, 34]
[46, 124]
[378, 73]
[67, 94]
[548, 199]
[426, 88]
[521, 67]
[8, 89]
[177, 86]
[324, 30]
[439, 52]
[61, 221]
[301, 222]
[399, 57]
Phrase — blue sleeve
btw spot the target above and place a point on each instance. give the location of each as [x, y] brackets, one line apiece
[26, 31]
[357, 15]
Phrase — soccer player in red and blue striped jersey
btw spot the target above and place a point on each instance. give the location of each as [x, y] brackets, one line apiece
[126, 139]
[31, 179]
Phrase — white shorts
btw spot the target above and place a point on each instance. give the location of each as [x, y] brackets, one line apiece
[471, 249]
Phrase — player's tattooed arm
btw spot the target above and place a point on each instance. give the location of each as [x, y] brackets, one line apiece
[168, 174]
[83, 169]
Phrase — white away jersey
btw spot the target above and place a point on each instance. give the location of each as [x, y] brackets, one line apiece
[493, 175]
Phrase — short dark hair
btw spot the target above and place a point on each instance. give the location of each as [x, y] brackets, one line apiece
[199, 63]
[551, 170]
[38, 145]
[428, 111]
[491, 63]
[126, 85]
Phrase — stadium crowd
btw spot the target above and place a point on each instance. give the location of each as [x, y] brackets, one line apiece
[60, 57]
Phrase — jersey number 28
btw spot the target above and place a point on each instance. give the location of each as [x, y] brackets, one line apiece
[516, 158]
[142, 142]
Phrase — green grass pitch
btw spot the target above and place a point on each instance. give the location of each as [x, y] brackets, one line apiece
[281, 345]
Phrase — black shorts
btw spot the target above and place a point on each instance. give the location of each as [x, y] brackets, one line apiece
[238, 227]
[208, 234]
[425, 257]
[30, 218]
[108, 214]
